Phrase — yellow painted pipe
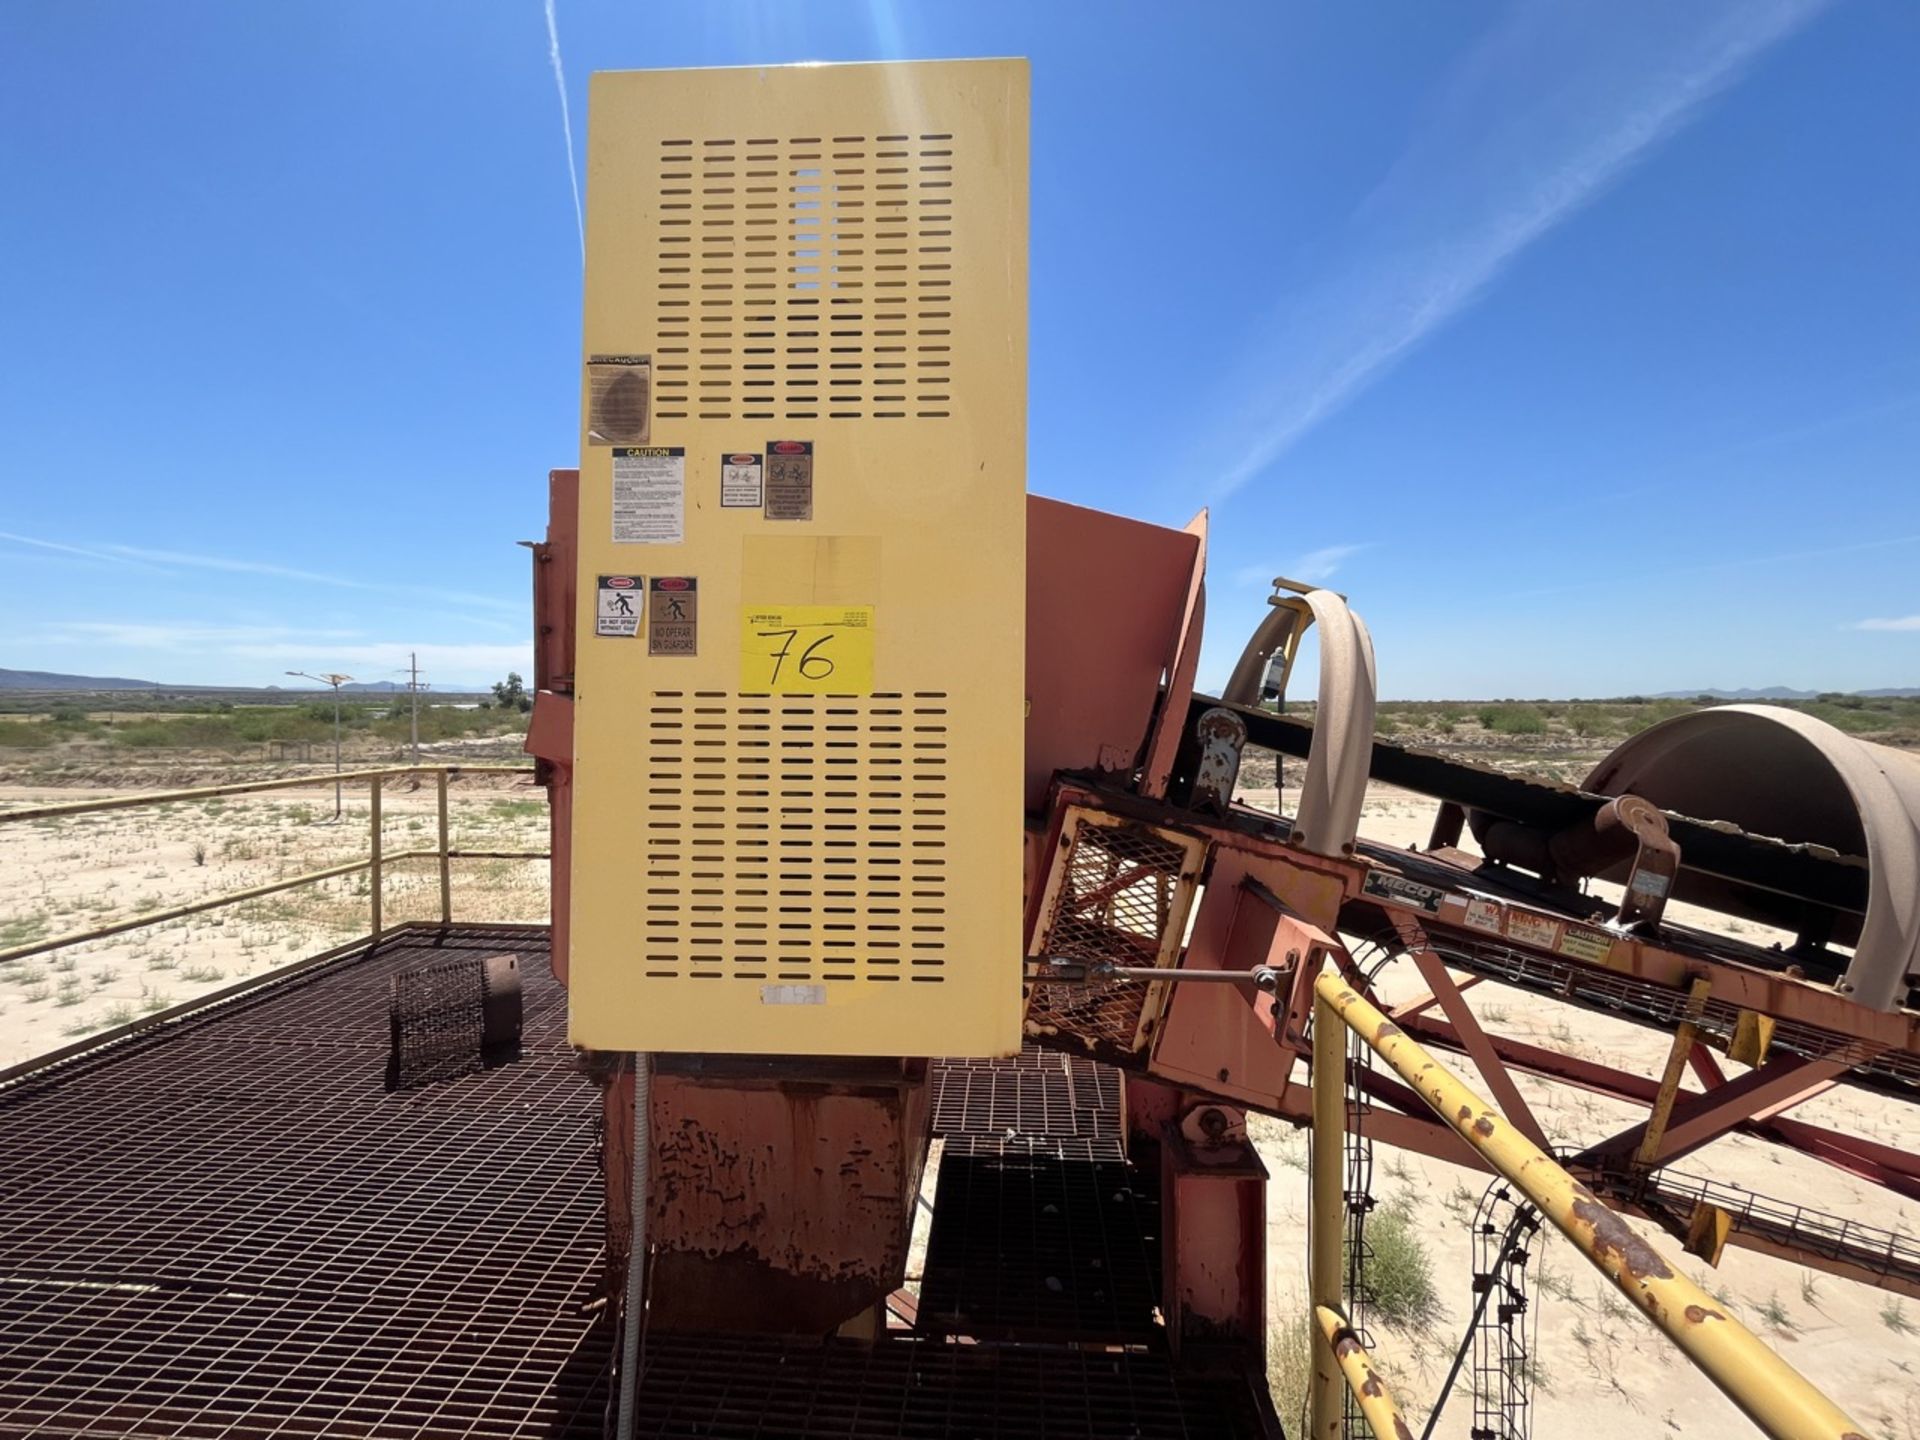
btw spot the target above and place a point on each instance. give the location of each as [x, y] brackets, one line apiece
[1326, 1219]
[1770, 1392]
[1369, 1390]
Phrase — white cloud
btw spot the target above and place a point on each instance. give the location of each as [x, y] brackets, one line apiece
[1310, 568]
[566, 124]
[1902, 622]
[136, 636]
[1552, 108]
[147, 559]
[1318, 565]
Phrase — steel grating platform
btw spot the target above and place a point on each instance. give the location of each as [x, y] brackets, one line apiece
[1035, 1247]
[918, 1390]
[227, 1226]
[1039, 1102]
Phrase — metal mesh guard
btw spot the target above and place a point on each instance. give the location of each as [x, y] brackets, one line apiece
[452, 1019]
[1118, 900]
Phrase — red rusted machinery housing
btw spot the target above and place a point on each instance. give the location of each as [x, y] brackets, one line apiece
[787, 1189]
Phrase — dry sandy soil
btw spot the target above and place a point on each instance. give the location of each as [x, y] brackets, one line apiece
[1596, 1360]
[72, 874]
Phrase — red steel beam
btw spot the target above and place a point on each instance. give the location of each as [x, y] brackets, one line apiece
[1478, 1047]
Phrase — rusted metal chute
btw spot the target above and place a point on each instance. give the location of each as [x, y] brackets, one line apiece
[1780, 773]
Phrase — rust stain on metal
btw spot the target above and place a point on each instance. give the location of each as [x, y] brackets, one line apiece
[1699, 1313]
[1388, 1030]
[1346, 1345]
[1372, 1387]
[1612, 1236]
[1400, 1430]
[1466, 1113]
[1484, 1126]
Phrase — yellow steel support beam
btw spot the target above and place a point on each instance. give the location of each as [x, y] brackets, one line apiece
[1770, 1392]
[1683, 1041]
[1368, 1388]
[446, 869]
[375, 878]
[1326, 1219]
[244, 787]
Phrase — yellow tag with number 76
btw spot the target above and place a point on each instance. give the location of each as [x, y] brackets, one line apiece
[807, 650]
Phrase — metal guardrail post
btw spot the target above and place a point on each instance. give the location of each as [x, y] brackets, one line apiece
[1770, 1392]
[373, 855]
[1326, 1218]
[446, 865]
[1369, 1391]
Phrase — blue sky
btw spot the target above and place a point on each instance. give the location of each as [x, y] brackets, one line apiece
[1578, 343]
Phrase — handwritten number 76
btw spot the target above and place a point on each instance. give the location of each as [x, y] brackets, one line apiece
[810, 665]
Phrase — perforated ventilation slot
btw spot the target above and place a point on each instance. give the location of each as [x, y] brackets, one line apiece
[805, 279]
[796, 838]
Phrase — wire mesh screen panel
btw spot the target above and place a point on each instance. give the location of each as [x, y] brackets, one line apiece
[452, 1018]
[1118, 893]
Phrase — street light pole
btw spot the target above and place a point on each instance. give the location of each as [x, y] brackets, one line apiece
[333, 682]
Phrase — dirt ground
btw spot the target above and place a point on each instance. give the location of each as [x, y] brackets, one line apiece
[1595, 1358]
[66, 875]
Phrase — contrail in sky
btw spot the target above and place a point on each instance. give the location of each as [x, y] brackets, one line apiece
[566, 126]
[1554, 107]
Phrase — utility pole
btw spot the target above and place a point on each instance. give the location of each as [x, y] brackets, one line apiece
[414, 687]
[332, 682]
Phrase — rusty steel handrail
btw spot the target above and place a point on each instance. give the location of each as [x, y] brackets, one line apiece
[1769, 1391]
[375, 864]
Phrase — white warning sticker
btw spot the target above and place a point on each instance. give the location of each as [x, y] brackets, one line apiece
[740, 485]
[649, 495]
[621, 598]
[1483, 915]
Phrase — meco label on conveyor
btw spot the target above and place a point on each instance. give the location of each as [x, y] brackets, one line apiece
[1402, 891]
[620, 599]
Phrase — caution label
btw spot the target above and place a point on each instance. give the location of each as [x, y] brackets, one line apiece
[740, 486]
[619, 389]
[1592, 946]
[673, 615]
[649, 495]
[789, 480]
[807, 650]
[620, 601]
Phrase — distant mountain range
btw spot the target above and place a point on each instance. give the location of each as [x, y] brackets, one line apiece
[50, 680]
[1782, 692]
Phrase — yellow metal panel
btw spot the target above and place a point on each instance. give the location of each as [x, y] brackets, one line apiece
[832, 256]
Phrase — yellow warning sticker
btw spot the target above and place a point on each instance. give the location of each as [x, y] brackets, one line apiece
[807, 650]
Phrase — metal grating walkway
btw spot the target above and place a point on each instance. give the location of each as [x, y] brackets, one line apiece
[915, 1390]
[1039, 1102]
[229, 1228]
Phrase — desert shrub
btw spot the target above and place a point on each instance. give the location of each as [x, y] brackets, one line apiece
[1513, 720]
[1397, 1275]
[26, 735]
[1290, 1369]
